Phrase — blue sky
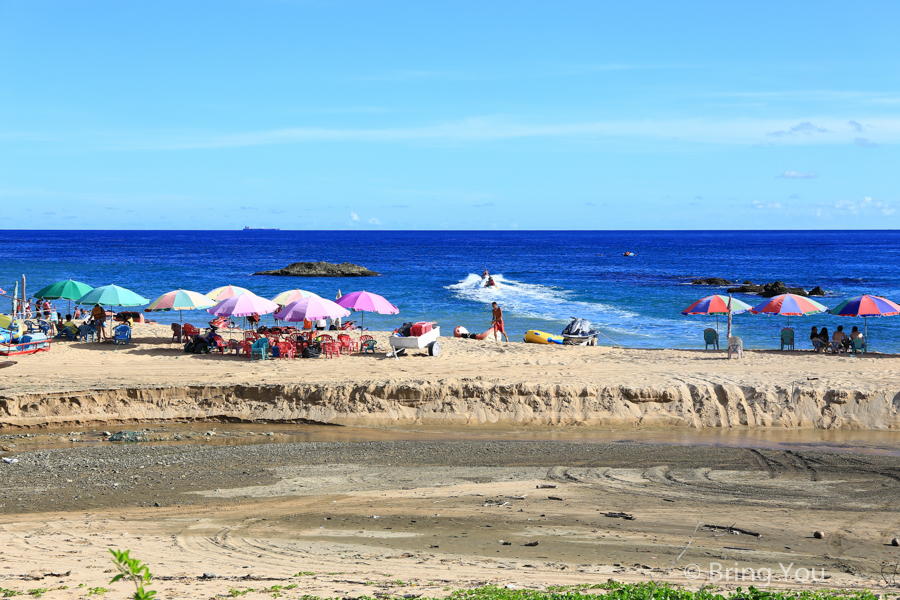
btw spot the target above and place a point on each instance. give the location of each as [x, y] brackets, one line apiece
[459, 115]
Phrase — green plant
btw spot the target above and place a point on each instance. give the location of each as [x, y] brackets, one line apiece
[234, 592]
[97, 591]
[9, 593]
[309, 574]
[38, 592]
[133, 570]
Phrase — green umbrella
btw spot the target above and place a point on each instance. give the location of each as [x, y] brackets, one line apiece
[112, 295]
[64, 290]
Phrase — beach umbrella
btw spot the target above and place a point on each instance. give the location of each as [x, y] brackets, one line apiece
[180, 300]
[788, 305]
[226, 291]
[367, 301]
[286, 297]
[866, 306]
[716, 304]
[112, 295]
[64, 290]
[311, 308]
[243, 305]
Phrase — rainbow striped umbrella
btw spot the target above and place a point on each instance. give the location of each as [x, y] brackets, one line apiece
[866, 306]
[285, 298]
[226, 291]
[788, 305]
[180, 300]
[716, 304]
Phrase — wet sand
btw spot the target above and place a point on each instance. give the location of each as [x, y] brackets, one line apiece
[362, 516]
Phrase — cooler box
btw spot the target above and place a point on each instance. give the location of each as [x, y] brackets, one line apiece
[420, 328]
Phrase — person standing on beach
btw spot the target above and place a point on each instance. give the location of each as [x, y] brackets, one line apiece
[98, 315]
[497, 322]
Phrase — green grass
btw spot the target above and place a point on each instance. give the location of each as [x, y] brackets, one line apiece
[97, 591]
[9, 593]
[613, 590]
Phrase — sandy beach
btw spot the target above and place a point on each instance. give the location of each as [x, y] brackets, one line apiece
[471, 383]
[443, 471]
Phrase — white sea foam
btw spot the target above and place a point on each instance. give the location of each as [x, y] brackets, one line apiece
[534, 300]
[556, 305]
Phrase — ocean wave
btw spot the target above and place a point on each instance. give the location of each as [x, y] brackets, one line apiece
[534, 300]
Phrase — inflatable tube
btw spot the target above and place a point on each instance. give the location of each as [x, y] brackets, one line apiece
[462, 332]
[533, 336]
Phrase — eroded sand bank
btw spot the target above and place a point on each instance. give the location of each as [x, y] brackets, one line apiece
[472, 383]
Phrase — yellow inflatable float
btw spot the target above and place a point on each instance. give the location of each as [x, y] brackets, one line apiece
[533, 336]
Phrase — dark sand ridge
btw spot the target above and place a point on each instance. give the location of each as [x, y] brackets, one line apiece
[471, 383]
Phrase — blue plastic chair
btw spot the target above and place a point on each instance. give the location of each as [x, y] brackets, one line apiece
[122, 335]
[858, 345]
[787, 338]
[818, 344]
[260, 349]
[87, 332]
[711, 338]
[368, 347]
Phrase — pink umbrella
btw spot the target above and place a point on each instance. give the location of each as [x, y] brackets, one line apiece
[311, 308]
[366, 301]
[243, 305]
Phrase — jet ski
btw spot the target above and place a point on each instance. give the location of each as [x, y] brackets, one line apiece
[490, 283]
[579, 333]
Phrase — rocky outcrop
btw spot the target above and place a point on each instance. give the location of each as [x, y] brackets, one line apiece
[711, 281]
[470, 402]
[767, 290]
[321, 269]
[817, 291]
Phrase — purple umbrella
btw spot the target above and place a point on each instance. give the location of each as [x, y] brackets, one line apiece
[311, 308]
[243, 305]
[367, 301]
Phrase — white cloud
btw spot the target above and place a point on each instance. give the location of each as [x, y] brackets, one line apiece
[374, 221]
[865, 143]
[804, 128]
[481, 129]
[857, 127]
[354, 217]
[865, 206]
[797, 175]
[766, 205]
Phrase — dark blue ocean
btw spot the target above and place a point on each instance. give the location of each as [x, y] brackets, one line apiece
[545, 276]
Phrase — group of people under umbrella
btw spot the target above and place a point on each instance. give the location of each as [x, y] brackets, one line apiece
[793, 305]
[227, 301]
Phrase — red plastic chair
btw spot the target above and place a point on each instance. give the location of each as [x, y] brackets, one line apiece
[331, 349]
[252, 336]
[363, 339]
[218, 344]
[348, 342]
[190, 330]
[286, 350]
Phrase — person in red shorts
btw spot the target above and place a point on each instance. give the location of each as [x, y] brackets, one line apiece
[497, 322]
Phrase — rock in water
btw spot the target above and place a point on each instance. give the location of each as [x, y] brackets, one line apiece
[817, 291]
[321, 269]
[711, 281]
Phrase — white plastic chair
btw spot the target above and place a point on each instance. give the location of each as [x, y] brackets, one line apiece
[735, 346]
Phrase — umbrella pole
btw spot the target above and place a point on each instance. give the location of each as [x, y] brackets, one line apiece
[717, 325]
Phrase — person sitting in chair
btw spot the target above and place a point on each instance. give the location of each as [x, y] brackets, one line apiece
[72, 327]
[841, 337]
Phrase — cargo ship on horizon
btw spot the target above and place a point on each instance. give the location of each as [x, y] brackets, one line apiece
[248, 228]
